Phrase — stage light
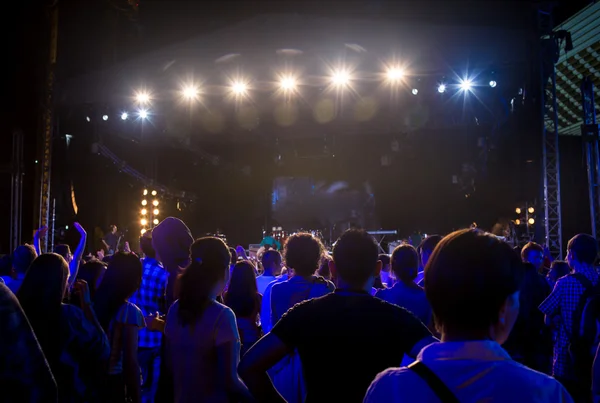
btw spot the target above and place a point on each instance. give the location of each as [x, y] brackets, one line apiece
[441, 88]
[518, 210]
[288, 84]
[341, 78]
[145, 192]
[155, 221]
[142, 97]
[493, 84]
[124, 115]
[239, 88]
[531, 210]
[143, 221]
[155, 212]
[466, 84]
[415, 91]
[88, 119]
[531, 221]
[105, 117]
[395, 74]
[190, 92]
[155, 203]
[517, 222]
[144, 211]
[154, 193]
[144, 202]
[143, 114]
[143, 231]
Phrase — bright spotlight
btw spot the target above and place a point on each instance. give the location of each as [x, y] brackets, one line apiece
[466, 85]
[239, 88]
[395, 74]
[145, 192]
[155, 221]
[142, 97]
[143, 221]
[88, 119]
[155, 212]
[154, 193]
[531, 221]
[155, 203]
[190, 92]
[143, 114]
[143, 231]
[288, 84]
[124, 115]
[105, 117]
[144, 202]
[518, 210]
[144, 211]
[493, 84]
[441, 88]
[531, 210]
[415, 91]
[341, 78]
[517, 222]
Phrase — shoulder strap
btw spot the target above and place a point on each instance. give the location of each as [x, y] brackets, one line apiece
[584, 281]
[435, 383]
[588, 290]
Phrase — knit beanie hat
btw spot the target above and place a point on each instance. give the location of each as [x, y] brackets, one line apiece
[171, 240]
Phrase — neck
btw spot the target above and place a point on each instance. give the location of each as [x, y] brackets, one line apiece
[458, 335]
[269, 272]
[341, 284]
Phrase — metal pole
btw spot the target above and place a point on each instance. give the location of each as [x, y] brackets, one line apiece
[589, 133]
[53, 228]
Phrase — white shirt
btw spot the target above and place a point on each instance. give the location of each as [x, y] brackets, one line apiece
[476, 371]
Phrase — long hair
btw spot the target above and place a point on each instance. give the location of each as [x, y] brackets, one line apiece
[92, 272]
[121, 279]
[41, 296]
[209, 265]
[242, 291]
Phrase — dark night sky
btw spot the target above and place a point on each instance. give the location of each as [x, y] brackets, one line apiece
[85, 33]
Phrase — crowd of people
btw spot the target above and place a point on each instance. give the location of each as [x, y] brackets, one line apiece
[461, 318]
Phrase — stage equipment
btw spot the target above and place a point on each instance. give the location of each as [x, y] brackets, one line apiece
[380, 237]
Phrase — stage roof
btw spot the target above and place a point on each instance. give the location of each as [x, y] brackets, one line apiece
[572, 67]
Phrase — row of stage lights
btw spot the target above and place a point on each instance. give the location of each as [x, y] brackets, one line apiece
[149, 214]
[529, 220]
[289, 85]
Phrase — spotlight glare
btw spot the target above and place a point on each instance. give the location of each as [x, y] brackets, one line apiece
[341, 78]
[531, 221]
[190, 92]
[105, 117]
[493, 84]
[143, 114]
[143, 231]
[466, 85]
[531, 210]
[395, 74]
[155, 221]
[415, 91]
[155, 212]
[88, 119]
[145, 192]
[144, 202]
[518, 210]
[288, 84]
[124, 115]
[144, 211]
[143, 221]
[142, 97]
[518, 222]
[154, 193]
[155, 203]
[441, 88]
[239, 88]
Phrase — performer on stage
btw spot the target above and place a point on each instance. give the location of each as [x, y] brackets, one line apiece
[111, 240]
[270, 241]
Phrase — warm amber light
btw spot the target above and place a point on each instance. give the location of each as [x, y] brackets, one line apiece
[518, 210]
[155, 221]
[144, 202]
[155, 203]
[144, 211]
[155, 212]
[531, 210]
[143, 221]
[531, 221]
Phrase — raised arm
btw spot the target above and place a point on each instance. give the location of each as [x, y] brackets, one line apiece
[74, 265]
[39, 234]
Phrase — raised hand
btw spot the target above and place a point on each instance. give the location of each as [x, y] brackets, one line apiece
[79, 229]
[41, 232]
[127, 248]
[100, 254]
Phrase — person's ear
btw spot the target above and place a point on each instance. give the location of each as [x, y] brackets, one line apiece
[378, 268]
[332, 269]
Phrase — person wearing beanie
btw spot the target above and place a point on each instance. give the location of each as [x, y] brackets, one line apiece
[171, 239]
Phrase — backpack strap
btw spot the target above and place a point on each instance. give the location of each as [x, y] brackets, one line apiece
[588, 289]
[435, 383]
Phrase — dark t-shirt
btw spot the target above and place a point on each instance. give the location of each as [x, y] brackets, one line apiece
[111, 240]
[345, 339]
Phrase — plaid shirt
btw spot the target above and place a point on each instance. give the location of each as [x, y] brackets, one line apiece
[150, 298]
[24, 373]
[563, 302]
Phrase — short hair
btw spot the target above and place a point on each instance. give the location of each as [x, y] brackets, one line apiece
[468, 279]
[558, 269]
[22, 257]
[270, 257]
[428, 244]
[355, 255]
[146, 246]
[63, 250]
[405, 262]
[303, 253]
[584, 248]
[385, 259]
[530, 247]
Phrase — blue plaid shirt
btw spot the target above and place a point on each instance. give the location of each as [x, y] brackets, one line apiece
[150, 298]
